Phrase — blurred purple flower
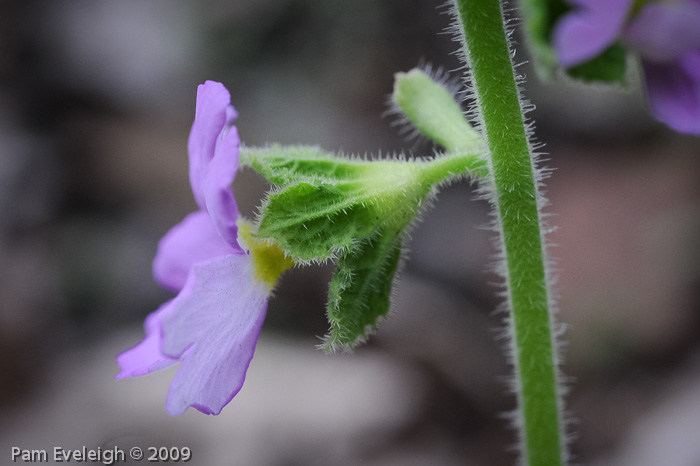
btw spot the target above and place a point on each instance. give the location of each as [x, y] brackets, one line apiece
[212, 325]
[666, 35]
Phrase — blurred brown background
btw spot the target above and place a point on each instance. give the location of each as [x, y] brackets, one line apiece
[96, 100]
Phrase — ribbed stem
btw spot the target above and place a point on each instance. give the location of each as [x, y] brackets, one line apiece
[516, 198]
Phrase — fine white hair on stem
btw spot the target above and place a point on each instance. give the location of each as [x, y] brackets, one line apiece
[487, 191]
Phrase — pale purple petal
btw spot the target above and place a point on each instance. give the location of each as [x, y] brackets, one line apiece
[588, 30]
[212, 114]
[674, 93]
[193, 240]
[690, 62]
[663, 32]
[218, 191]
[231, 115]
[216, 320]
[146, 357]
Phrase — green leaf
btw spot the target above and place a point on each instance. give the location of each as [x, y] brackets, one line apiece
[433, 110]
[360, 290]
[608, 67]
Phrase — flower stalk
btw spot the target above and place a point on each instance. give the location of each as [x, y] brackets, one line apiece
[514, 186]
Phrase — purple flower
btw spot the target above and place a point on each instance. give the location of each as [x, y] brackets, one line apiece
[212, 325]
[666, 35]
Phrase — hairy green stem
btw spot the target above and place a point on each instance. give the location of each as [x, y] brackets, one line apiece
[455, 164]
[516, 198]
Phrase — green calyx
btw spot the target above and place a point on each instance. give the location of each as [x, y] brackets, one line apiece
[317, 221]
[327, 203]
[349, 210]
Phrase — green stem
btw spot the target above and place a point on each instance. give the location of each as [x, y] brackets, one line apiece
[516, 198]
[447, 166]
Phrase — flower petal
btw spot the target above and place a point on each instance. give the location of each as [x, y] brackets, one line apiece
[213, 327]
[691, 64]
[193, 240]
[231, 114]
[212, 114]
[146, 357]
[218, 190]
[589, 29]
[663, 32]
[674, 93]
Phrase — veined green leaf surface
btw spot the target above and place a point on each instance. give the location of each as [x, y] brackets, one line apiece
[360, 290]
[316, 221]
[327, 203]
[283, 165]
